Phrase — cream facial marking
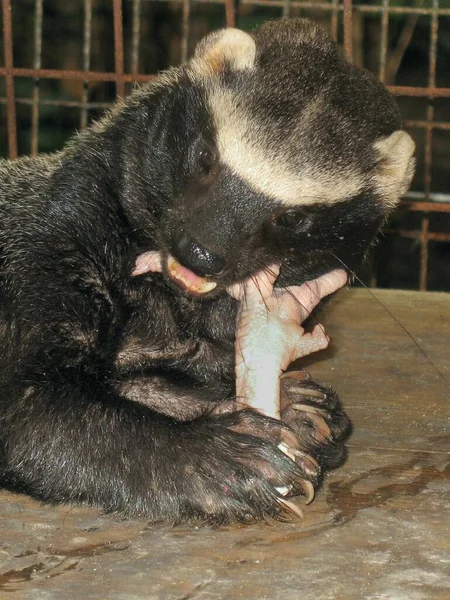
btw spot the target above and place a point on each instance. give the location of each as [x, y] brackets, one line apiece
[396, 169]
[268, 173]
[231, 46]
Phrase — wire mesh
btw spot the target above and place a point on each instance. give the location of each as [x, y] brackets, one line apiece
[30, 96]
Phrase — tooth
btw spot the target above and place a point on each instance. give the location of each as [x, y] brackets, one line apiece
[172, 263]
[207, 286]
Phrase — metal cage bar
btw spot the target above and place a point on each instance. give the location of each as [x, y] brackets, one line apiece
[87, 42]
[8, 73]
[38, 15]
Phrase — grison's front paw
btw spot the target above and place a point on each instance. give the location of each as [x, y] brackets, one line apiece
[314, 414]
[233, 469]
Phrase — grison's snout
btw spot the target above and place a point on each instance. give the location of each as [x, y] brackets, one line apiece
[193, 255]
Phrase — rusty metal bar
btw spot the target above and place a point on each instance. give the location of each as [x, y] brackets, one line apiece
[136, 35]
[437, 92]
[384, 40]
[401, 10]
[77, 75]
[287, 8]
[37, 65]
[434, 23]
[230, 13]
[142, 78]
[118, 48]
[416, 234]
[424, 124]
[427, 92]
[424, 237]
[414, 206]
[348, 30]
[325, 6]
[61, 103]
[334, 19]
[9, 76]
[186, 27]
[87, 35]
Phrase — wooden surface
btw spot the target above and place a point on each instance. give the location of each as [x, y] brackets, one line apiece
[379, 529]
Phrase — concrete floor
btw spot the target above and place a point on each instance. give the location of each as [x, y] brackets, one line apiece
[379, 529]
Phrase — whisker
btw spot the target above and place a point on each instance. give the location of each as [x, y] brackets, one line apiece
[256, 281]
[241, 352]
[389, 312]
[313, 292]
[287, 268]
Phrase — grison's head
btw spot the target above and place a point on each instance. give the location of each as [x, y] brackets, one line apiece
[263, 148]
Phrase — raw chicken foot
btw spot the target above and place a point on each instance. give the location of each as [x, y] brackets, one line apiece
[269, 335]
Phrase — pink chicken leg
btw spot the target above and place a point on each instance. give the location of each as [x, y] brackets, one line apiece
[269, 335]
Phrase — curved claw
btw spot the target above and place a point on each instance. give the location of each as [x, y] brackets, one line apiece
[306, 485]
[311, 410]
[292, 507]
[288, 439]
[306, 391]
[287, 450]
[307, 458]
[309, 490]
[297, 375]
[317, 416]
[321, 426]
[292, 453]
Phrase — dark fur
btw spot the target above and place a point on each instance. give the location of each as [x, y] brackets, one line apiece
[81, 340]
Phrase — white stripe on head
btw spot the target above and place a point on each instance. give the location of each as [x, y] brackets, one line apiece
[243, 148]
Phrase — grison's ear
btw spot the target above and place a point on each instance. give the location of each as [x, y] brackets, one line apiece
[231, 48]
[396, 166]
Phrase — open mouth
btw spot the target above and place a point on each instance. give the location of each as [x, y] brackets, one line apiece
[187, 279]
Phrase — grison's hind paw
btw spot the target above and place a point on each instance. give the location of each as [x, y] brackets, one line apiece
[314, 414]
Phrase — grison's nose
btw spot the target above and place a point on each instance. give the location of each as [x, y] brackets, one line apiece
[196, 257]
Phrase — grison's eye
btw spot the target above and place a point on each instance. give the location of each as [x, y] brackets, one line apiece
[290, 219]
[207, 159]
